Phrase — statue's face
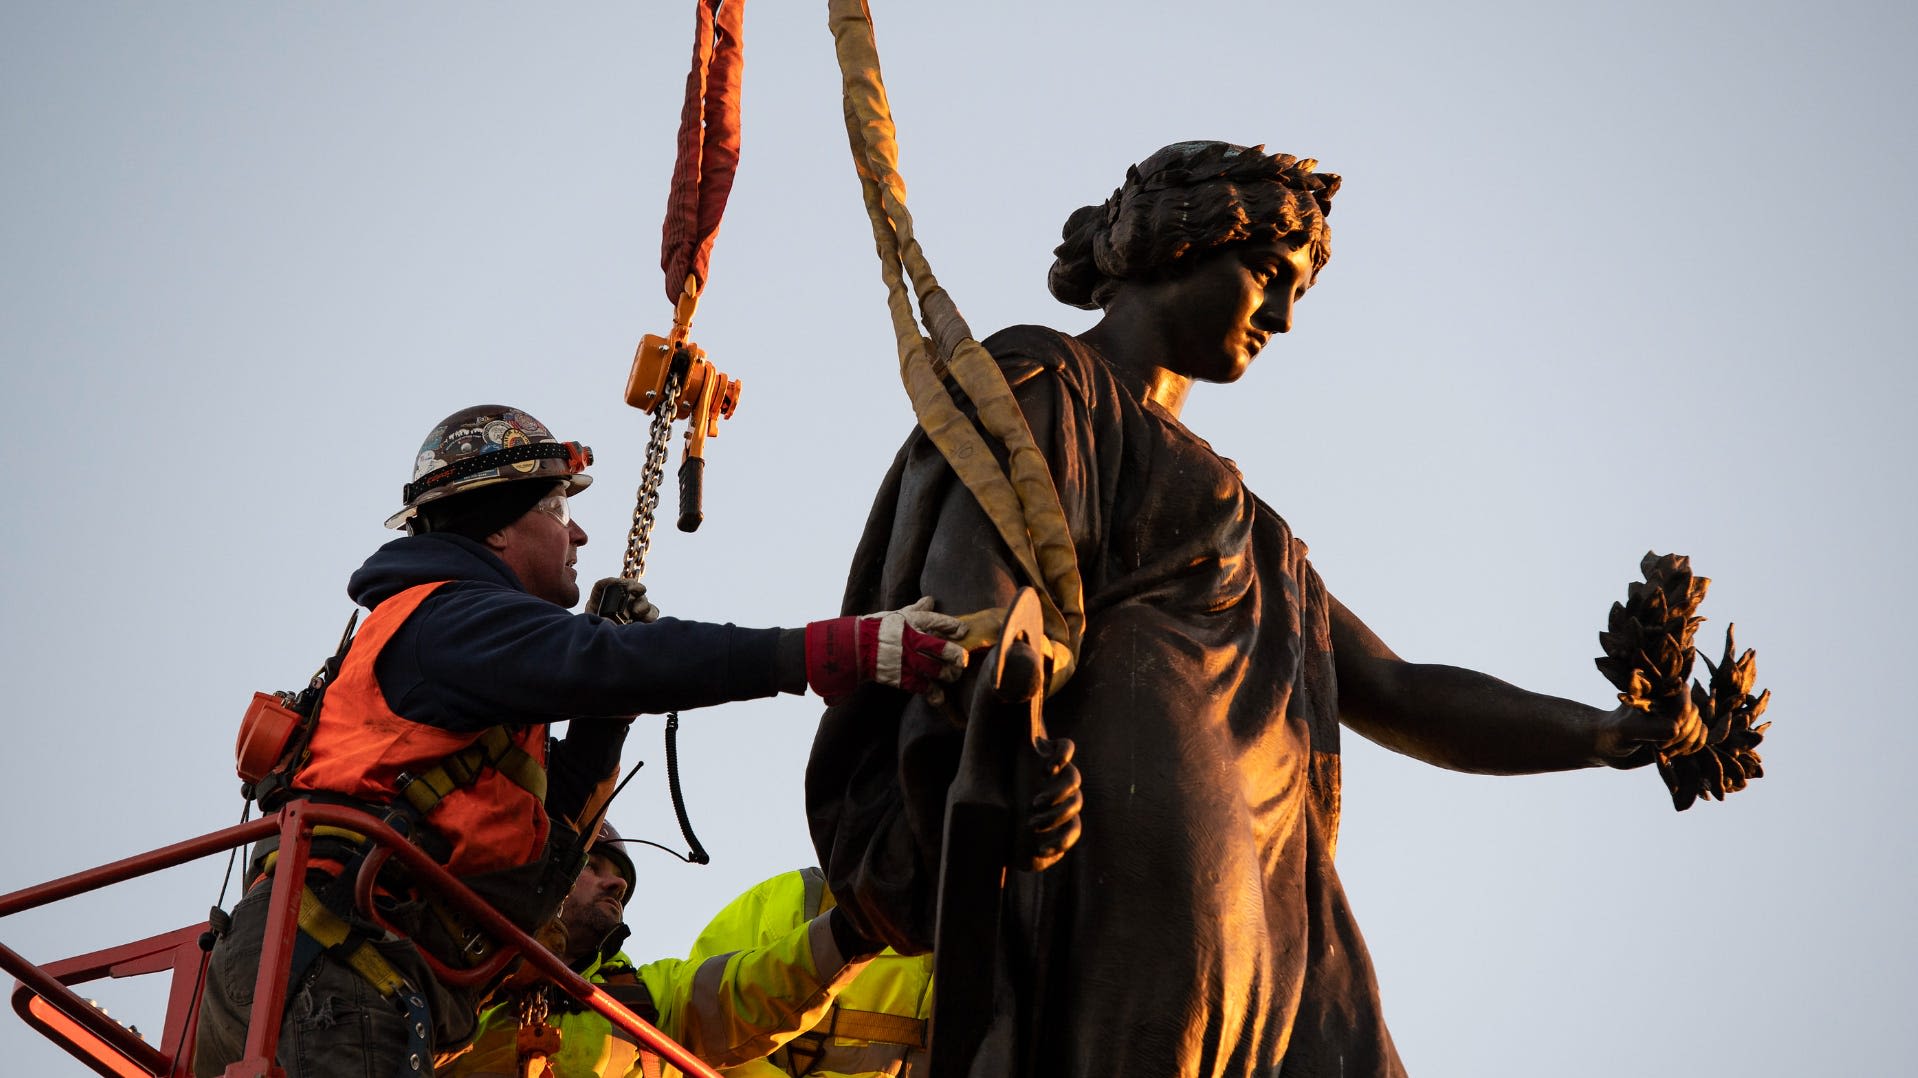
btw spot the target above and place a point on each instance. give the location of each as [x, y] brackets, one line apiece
[1220, 311]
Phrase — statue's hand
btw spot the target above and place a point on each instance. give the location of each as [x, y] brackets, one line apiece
[1052, 817]
[1629, 737]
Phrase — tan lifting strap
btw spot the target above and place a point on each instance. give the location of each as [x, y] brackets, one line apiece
[1020, 499]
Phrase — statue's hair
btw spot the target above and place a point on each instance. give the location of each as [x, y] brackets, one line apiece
[1190, 197]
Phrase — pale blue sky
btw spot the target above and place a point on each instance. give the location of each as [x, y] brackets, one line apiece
[1606, 278]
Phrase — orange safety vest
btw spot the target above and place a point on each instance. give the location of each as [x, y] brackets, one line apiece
[361, 748]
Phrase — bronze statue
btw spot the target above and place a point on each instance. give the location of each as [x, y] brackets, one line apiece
[1199, 926]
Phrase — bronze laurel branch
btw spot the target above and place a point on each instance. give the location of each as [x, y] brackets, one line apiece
[1648, 658]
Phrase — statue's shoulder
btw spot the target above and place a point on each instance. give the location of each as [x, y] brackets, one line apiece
[1025, 352]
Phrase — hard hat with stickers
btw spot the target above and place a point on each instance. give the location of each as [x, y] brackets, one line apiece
[485, 445]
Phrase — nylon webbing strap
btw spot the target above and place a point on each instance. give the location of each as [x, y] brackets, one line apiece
[320, 831]
[328, 931]
[708, 146]
[331, 931]
[494, 749]
[878, 1026]
[1019, 499]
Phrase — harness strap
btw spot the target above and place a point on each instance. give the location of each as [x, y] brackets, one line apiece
[899, 1029]
[356, 844]
[322, 930]
[337, 894]
[623, 984]
[494, 749]
[334, 933]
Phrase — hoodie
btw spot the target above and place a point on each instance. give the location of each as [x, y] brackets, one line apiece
[483, 652]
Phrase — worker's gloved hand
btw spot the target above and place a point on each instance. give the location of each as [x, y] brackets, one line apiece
[852, 945]
[620, 600]
[910, 649]
[1052, 816]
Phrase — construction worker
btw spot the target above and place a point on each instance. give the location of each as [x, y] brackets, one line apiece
[437, 719]
[877, 1025]
[728, 1007]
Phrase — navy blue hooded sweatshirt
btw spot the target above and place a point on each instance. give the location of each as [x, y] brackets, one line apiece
[483, 652]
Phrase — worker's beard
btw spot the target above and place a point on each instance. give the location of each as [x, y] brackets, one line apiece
[600, 918]
[587, 927]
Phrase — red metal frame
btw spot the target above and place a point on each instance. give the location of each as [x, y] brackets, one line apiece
[117, 1052]
[43, 1000]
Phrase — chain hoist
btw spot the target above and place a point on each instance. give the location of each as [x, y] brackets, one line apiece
[536, 1041]
[639, 538]
[672, 379]
[671, 376]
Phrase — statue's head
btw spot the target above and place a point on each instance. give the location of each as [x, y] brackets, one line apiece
[1184, 200]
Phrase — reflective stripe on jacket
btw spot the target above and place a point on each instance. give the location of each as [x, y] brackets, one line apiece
[361, 748]
[589, 1045]
[727, 1009]
[878, 1024]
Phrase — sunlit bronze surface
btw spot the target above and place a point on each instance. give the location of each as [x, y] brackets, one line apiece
[1199, 927]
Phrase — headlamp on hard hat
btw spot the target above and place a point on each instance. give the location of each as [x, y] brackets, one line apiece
[486, 445]
[576, 456]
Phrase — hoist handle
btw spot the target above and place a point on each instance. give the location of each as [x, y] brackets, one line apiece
[692, 481]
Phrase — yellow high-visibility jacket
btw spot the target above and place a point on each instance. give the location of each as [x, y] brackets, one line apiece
[877, 1025]
[726, 1008]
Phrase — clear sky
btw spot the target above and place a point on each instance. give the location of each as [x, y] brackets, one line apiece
[1607, 278]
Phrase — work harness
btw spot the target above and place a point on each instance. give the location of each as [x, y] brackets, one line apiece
[330, 922]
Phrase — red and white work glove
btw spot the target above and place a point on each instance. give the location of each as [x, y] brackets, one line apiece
[910, 649]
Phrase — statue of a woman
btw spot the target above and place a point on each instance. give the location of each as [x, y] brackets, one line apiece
[1199, 926]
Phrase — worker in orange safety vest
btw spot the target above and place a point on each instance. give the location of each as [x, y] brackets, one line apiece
[438, 719]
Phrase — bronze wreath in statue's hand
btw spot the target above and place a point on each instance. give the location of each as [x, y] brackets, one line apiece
[1702, 738]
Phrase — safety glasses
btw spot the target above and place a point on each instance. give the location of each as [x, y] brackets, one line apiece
[557, 506]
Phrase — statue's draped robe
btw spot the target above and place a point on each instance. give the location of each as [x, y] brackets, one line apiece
[1199, 927]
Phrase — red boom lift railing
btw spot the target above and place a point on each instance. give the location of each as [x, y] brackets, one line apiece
[42, 998]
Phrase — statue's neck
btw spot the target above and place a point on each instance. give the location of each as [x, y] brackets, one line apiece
[1135, 355]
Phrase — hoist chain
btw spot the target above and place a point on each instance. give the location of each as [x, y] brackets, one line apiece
[640, 538]
[534, 1007]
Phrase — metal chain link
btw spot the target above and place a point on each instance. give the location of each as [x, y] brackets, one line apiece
[640, 538]
[535, 1039]
[534, 1007]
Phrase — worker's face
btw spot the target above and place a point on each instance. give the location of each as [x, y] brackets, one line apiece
[594, 907]
[541, 547]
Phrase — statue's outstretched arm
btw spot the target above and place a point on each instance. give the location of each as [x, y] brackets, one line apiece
[1468, 721]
